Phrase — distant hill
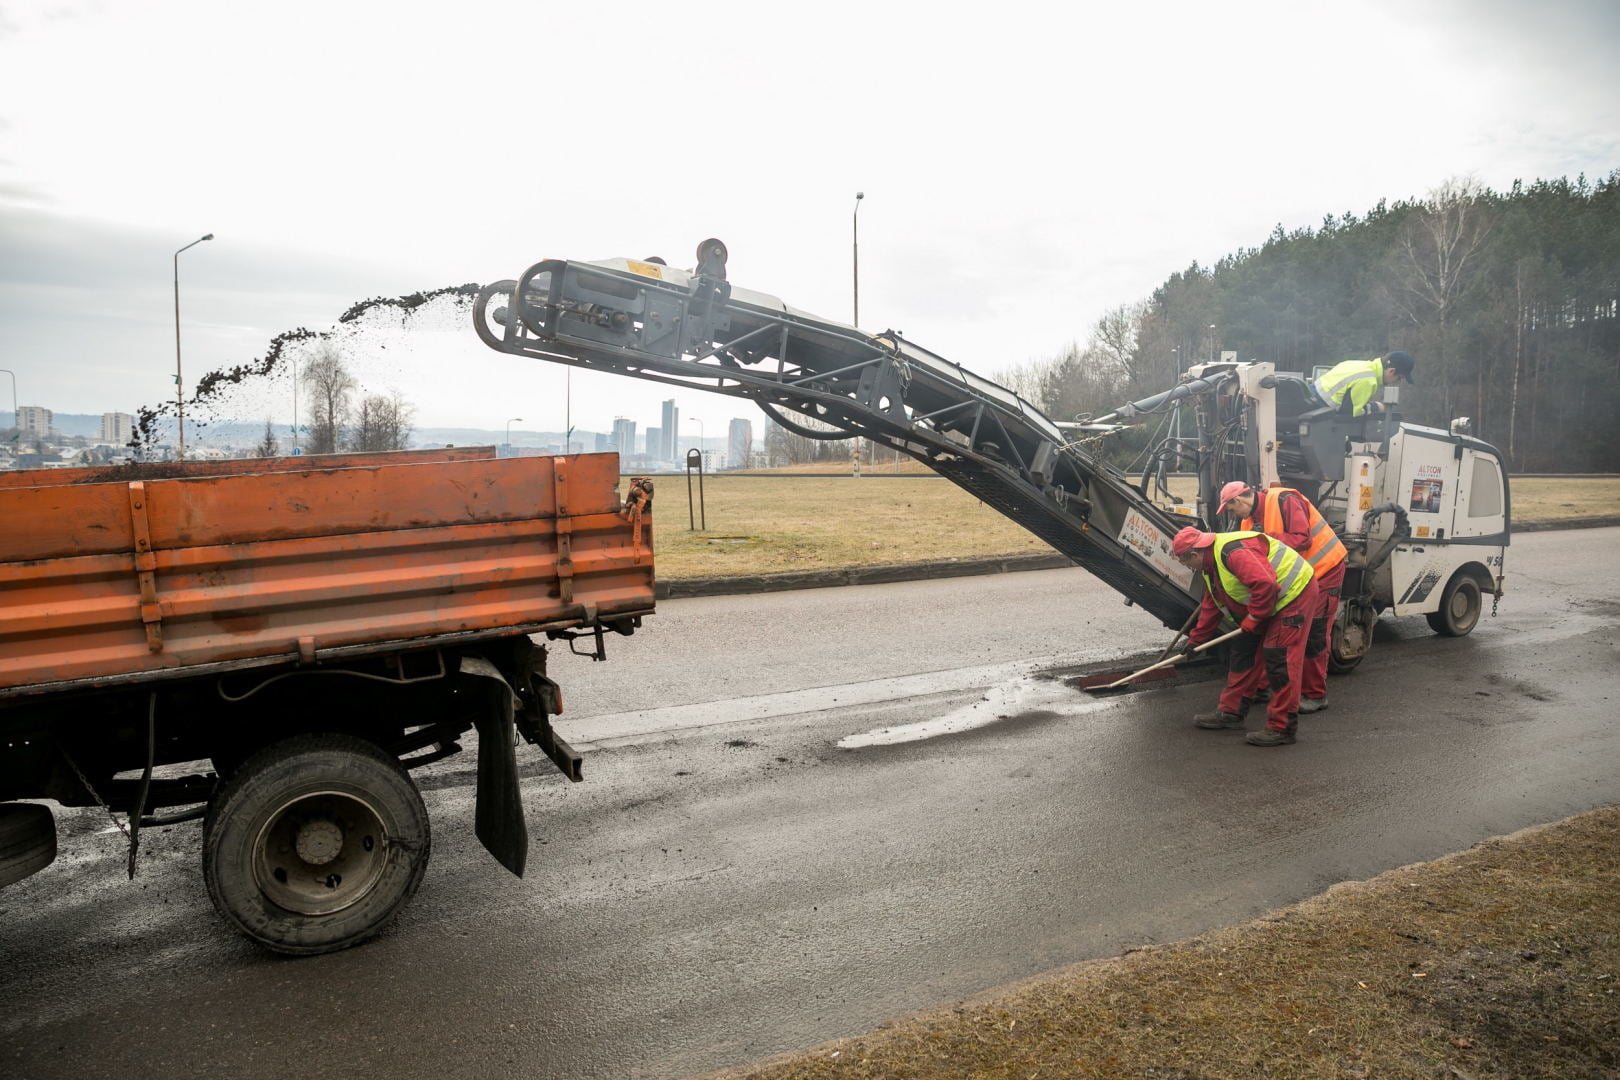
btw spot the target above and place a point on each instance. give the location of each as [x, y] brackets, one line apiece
[86, 424]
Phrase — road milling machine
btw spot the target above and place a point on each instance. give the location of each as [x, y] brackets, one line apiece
[1424, 512]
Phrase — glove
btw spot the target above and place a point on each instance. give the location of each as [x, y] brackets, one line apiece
[1252, 625]
[1189, 647]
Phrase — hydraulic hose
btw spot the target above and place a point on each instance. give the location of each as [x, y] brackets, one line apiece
[1160, 400]
[1403, 530]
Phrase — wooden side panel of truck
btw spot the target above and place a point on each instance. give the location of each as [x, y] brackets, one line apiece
[302, 632]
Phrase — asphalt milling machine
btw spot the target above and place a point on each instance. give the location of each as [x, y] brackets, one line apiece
[1425, 513]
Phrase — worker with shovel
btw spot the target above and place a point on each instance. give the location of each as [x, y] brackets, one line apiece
[1285, 514]
[1268, 586]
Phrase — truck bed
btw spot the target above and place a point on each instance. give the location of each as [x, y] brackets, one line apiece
[111, 576]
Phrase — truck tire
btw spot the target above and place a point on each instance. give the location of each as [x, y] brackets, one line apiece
[27, 840]
[1460, 606]
[314, 844]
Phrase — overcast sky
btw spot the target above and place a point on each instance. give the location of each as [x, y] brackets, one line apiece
[1026, 166]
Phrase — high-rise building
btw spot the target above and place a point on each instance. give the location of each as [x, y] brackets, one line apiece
[34, 420]
[669, 432]
[624, 436]
[117, 428]
[654, 443]
[739, 443]
[604, 442]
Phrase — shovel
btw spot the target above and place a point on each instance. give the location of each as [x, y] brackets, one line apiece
[1172, 661]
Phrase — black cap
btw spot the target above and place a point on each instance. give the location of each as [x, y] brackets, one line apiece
[1402, 363]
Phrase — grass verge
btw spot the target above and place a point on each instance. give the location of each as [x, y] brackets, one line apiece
[774, 524]
[1501, 961]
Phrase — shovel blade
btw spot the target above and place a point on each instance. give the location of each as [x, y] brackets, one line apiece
[1104, 683]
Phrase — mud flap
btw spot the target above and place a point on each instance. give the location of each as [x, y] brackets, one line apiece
[498, 819]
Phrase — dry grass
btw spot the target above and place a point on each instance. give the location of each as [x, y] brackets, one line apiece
[766, 524]
[761, 524]
[1555, 498]
[1499, 962]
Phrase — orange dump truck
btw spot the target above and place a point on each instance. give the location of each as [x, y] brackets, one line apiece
[271, 645]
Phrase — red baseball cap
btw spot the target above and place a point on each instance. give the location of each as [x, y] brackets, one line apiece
[1231, 490]
[1189, 539]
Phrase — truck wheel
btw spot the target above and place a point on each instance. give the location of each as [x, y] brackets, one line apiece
[27, 840]
[1460, 605]
[314, 844]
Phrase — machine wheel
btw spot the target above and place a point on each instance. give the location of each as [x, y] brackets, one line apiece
[1460, 606]
[1349, 642]
[27, 840]
[315, 843]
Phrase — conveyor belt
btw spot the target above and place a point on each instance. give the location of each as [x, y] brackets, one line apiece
[692, 329]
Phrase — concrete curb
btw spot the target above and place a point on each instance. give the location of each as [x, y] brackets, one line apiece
[1600, 522]
[879, 574]
[885, 573]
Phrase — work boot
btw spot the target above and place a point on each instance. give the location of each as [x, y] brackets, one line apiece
[1270, 737]
[1312, 704]
[1217, 721]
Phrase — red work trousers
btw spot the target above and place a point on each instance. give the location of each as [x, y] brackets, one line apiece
[1275, 655]
[1313, 682]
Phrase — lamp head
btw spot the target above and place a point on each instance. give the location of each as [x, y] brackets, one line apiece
[210, 236]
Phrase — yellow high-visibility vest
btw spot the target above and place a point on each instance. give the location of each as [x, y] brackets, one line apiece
[1293, 572]
[1358, 378]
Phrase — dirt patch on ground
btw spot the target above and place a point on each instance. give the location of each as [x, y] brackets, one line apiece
[1499, 962]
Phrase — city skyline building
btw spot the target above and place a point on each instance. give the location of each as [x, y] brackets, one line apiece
[624, 436]
[34, 420]
[653, 440]
[739, 443]
[117, 428]
[669, 438]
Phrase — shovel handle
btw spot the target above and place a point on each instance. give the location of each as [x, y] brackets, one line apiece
[1210, 644]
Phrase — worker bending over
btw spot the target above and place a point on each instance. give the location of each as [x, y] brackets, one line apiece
[1267, 586]
[1350, 386]
[1287, 515]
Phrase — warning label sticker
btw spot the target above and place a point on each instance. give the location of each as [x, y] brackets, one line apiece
[1152, 545]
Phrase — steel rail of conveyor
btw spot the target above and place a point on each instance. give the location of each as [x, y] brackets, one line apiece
[692, 329]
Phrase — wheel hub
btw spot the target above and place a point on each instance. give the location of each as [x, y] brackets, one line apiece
[319, 842]
[321, 852]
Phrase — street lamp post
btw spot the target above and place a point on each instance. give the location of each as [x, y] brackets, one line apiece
[855, 243]
[295, 406]
[509, 423]
[179, 383]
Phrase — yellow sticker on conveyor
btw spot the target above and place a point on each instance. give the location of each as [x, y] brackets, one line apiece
[646, 269]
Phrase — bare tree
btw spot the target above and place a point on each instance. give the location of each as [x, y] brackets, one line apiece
[1114, 338]
[1437, 262]
[329, 385]
[383, 423]
[269, 446]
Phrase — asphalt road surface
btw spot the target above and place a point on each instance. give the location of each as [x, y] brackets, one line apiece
[730, 882]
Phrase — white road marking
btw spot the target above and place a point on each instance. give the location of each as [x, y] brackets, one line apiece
[999, 703]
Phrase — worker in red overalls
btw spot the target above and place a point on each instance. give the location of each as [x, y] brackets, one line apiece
[1289, 516]
[1268, 587]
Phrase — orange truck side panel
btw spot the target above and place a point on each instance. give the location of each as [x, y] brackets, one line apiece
[106, 580]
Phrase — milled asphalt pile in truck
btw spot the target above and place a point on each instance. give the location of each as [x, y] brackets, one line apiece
[242, 392]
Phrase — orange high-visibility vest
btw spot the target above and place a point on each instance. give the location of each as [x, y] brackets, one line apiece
[1323, 549]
